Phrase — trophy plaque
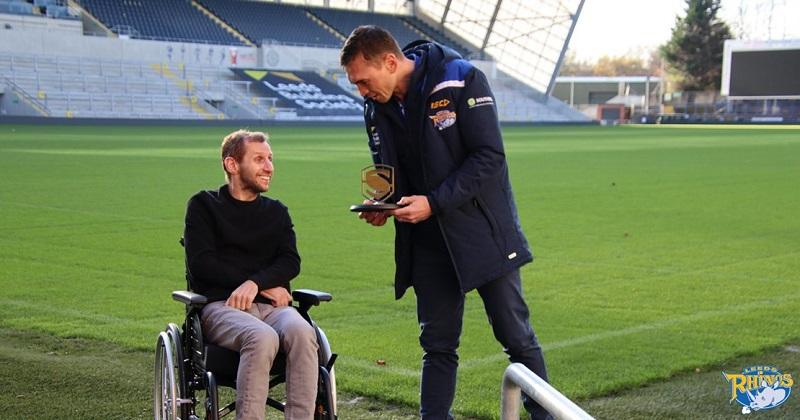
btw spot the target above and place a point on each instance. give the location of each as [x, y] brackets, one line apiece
[377, 185]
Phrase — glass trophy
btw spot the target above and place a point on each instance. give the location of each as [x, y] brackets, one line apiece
[377, 186]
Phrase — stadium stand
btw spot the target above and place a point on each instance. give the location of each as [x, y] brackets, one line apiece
[343, 21]
[405, 28]
[57, 9]
[69, 87]
[518, 102]
[175, 20]
[201, 85]
[436, 35]
[260, 21]
[305, 93]
[16, 7]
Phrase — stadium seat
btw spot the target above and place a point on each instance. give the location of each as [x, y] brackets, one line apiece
[262, 21]
[344, 21]
[16, 7]
[173, 20]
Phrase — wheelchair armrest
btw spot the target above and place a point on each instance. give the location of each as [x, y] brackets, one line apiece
[189, 298]
[308, 297]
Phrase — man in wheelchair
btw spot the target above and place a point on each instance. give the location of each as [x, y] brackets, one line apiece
[241, 254]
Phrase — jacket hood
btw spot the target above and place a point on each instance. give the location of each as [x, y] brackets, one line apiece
[434, 53]
[433, 56]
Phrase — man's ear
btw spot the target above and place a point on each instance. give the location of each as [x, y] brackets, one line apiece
[231, 165]
[390, 61]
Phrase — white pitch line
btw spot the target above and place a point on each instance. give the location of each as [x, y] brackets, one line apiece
[71, 313]
[637, 329]
[571, 342]
[115, 216]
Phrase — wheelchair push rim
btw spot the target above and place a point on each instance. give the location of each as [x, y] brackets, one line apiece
[165, 395]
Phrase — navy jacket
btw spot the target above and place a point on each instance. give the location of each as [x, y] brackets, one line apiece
[452, 117]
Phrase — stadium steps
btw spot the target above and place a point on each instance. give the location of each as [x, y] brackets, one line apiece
[193, 103]
[417, 31]
[190, 99]
[222, 24]
[95, 21]
[432, 33]
[25, 97]
[164, 71]
[325, 26]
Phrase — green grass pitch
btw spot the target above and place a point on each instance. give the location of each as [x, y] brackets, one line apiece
[659, 249]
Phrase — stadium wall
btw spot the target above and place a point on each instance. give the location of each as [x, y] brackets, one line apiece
[54, 37]
[10, 23]
[34, 40]
[287, 57]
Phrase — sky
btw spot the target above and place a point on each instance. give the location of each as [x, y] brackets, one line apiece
[633, 27]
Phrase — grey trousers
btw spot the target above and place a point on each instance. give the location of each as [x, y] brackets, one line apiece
[257, 335]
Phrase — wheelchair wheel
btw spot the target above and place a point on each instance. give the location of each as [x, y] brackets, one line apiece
[180, 368]
[326, 403]
[212, 398]
[165, 392]
[326, 355]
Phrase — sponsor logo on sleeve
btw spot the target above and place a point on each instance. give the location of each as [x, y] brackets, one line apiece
[482, 101]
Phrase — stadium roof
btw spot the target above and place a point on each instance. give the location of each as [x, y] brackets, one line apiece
[526, 38]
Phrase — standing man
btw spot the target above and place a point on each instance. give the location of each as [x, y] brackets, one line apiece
[241, 254]
[431, 115]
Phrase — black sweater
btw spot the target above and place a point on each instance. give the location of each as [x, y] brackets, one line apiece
[230, 241]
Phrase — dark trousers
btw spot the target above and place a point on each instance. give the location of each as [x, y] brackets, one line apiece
[440, 309]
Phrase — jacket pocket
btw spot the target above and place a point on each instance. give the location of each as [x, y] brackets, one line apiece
[478, 202]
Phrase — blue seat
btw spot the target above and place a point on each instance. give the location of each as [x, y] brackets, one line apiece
[159, 19]
[261, 21]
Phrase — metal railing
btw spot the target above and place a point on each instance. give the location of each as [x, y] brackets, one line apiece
[518, 378]
[33, 102]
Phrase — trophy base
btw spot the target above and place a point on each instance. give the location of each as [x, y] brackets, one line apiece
[374, 207]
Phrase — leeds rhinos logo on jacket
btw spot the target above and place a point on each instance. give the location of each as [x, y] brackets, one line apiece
[759, 387]
[443, 119]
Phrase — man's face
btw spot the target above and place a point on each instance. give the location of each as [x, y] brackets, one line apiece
[374, 79]
[255, 169]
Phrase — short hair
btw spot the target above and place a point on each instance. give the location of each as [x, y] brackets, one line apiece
[233, 145]
[371, 41]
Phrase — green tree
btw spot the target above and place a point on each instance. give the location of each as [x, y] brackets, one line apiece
[620, 66]
[695, 50]
[604, 66]
[572, 66]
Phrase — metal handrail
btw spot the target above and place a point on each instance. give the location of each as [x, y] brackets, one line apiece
[35, 103]
[518, 378]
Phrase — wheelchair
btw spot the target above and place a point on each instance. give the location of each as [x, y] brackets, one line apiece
[189, 369]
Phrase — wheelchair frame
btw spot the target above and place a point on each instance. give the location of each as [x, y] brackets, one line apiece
[181, 359]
